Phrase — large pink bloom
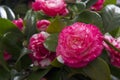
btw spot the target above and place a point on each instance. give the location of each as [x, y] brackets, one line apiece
[18, 23]
[39, 54]
[79, 44]
[114, 54]
[98, 5]
[51, 7]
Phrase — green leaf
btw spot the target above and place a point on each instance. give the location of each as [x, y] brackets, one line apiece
[110, 2]
[7, 26]
[3, 62]
[56, 63]
[115, 71]
[4, 75]
[111, 17]
[90, 3]
[51, 42]
[56, 26]
[30, 24]
[12, 42]
[38, 74]
[97, 70]
[57, 74]
[90, 17]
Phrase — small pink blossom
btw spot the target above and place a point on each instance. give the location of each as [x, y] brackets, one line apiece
[39, 54]
[42, 25]
[114, 55]
[98, 5]
[6, 56]
[18, 23]
[79, 44]
[51, 7]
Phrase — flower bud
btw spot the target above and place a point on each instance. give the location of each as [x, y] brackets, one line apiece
[42, 25]
[18, 23]
[6, 55]
[98, 5]
[79, 44]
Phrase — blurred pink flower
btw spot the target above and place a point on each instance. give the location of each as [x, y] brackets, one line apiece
[51, 7]
[18, 23]
[6, 55]
[42, 25]
[98, 5]
[114, 55]
[39, 54]
[79, 44]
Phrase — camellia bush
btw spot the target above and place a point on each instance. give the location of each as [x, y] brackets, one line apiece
[61, 40]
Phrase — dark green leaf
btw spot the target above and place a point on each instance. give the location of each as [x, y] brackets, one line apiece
[3, 62]
[111, 17]
[4, 75]
[97, 70]
[12, 42]
[115, 71]
[7, 26]
[90, 17]
[51, 42]
[38, 74]
[56, 26]
[57, 74]
[30, 24]
[90, 3]
[55, 63]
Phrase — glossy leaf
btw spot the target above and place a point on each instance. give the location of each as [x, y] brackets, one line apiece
[111, 18]
[56, 63]
[90, 17]
[38, 74]
[56, 26]
[97, 70]
[30, 24]
[12, 42]
[7, 26]
[90, 3]
[51, 42]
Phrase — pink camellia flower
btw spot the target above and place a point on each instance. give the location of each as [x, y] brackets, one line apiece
[6, 56]
[36, 6]
[18, 23]
[39, 54]
[42, 25]
[79, 44]
[51, 7]
[98, 5]
[114, 54]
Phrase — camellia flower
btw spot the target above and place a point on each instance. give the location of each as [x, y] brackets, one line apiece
[42, 25]
[6, 55]
[51, 7]
[39, 54]
[114, 54]
[98, 5]
[19, 23]
[79, 44]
